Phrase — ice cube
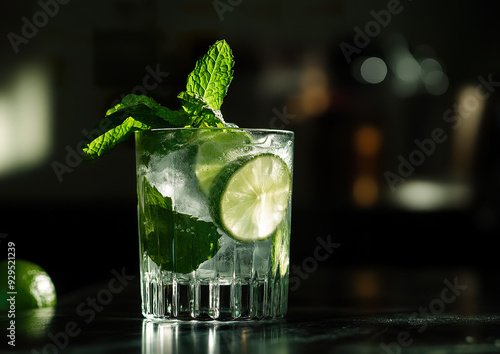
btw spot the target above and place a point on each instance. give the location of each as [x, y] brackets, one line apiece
[225, 252]
[173, 177]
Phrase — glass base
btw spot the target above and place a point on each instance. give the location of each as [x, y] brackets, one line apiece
[206, 301]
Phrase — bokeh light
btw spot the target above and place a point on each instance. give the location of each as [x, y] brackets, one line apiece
[373, 70]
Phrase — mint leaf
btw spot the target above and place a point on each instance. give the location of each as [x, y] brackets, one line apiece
[212, 75]
[202, 115]
[105, 142]
[171, 119]
[132, 100]
[150, 111]
[133, 113]
[176, 242]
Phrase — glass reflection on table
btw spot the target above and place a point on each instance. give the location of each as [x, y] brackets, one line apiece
[212, 337]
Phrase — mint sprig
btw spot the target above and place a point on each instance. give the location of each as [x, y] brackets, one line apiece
[206, 88]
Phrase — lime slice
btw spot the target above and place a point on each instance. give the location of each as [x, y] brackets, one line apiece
[250, 196]
[218, 148]
[281, 246]
[32, 284]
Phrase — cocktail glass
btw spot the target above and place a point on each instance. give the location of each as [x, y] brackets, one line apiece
[214, 210]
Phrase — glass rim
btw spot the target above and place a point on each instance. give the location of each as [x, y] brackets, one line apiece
[262, 130]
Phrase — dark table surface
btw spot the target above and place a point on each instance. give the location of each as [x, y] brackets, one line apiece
[363, 311]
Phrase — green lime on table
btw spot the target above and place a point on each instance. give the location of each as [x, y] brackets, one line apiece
[249, 196]
[33, 288]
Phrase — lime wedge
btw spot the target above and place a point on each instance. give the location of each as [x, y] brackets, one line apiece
[216, 150]
[249, 197]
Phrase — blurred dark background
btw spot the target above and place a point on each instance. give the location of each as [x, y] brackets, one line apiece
[395, 106]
